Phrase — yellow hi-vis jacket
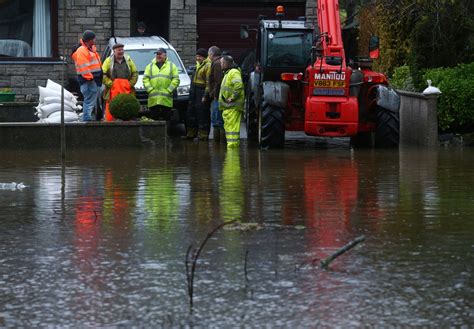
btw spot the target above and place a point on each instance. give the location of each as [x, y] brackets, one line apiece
[160, 83]
[202, 72]
[232, 88]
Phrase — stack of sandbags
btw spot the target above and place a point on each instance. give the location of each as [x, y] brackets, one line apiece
[49, 107]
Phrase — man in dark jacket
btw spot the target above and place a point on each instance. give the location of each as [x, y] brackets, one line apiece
[141, 30]
[197, 115]
[212, 93]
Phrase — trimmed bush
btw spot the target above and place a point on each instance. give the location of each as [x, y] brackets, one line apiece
[124, 107]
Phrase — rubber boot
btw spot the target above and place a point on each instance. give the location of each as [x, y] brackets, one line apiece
[190, 134]
[222, 137]
[202, 136]
[217, 135]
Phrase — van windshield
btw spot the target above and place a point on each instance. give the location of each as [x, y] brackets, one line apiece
[143, 57]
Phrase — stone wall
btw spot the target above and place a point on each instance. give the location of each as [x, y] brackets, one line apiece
[418, 119]
[311, 16]
[183, 28]
[79, 135]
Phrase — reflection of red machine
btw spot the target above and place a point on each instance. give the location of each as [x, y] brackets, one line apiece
[331, 192]
[88, 218]
[326, 98]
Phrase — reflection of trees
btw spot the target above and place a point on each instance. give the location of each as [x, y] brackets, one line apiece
[434, 190]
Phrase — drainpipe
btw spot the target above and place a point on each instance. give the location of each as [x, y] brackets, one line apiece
[112, 17]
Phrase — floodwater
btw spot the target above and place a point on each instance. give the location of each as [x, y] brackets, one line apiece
[102, 240]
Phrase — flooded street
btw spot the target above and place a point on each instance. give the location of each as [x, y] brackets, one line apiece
[102, 240]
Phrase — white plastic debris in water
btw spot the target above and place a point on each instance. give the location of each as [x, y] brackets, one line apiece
[431, 90]
[12, 186]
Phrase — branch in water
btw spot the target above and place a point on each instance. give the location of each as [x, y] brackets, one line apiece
[325, 262]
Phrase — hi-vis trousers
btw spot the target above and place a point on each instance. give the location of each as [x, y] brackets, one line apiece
[232, 127]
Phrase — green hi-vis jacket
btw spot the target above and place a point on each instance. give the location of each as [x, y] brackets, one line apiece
[232, 87]
[160, 83]
[108, 67]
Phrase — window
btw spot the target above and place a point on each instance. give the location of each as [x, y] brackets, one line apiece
[25, 28]
[289, 48]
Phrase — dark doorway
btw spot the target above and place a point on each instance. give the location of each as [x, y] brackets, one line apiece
[154, 13]
[219, 22]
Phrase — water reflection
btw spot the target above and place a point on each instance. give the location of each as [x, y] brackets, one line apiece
[104, 237]
[231, 187]
[331, 194]
[160, 197]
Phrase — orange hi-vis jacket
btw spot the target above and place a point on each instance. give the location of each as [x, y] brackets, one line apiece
[87, 61]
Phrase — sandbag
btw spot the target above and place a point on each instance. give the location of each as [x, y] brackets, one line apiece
[55, 99]
[388, 98]
[47, 92]
[50, 84]
[47, 109]
[56, 117]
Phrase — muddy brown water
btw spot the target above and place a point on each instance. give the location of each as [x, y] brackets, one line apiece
[101, 240]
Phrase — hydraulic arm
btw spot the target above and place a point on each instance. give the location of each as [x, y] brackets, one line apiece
[330, 110]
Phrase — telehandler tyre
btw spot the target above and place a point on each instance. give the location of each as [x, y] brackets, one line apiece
[387, 133]
[251, 118]
[271, 127]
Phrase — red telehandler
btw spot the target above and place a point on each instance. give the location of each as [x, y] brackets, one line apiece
[302, 81]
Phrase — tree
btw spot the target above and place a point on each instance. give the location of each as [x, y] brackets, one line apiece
[423, 33]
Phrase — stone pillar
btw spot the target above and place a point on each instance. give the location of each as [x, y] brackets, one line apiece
[311, 15]
[418, 119]
[183, 28]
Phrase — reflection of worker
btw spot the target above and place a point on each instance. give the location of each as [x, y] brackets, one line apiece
[231, 100]
[120, 76]
[212, 93]
[231, 193]
[197, 115]
[161, 200]
[89, 72]
[160, 80]
[141, 28]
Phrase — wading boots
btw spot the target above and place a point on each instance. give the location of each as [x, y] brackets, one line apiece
[190, 134]
[202, 135]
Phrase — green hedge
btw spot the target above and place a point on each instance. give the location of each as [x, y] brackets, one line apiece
[402, 79]
[456, 103]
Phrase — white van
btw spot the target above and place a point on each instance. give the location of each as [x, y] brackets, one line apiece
[142, 51]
